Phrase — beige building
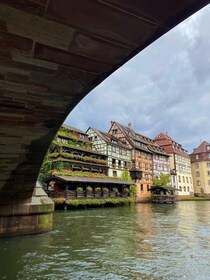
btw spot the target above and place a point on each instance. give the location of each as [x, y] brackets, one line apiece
[179, 164]
[200, 162]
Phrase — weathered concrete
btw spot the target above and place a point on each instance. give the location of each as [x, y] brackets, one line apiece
[27, 216]
[52, 54]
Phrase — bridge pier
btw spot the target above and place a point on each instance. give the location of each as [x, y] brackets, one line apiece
[30, 216]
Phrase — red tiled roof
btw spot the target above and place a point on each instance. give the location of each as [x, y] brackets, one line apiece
[201, 148]
[169, 145]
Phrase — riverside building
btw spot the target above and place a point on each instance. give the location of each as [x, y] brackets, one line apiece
[118, 153]
[180, 165]
[145, 155]
[200, 162]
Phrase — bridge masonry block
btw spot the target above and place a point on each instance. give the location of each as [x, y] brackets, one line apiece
[27, 217]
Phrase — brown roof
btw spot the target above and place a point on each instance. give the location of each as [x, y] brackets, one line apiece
[169, 145]
[132, 136]
[201, 148]
[71, 128]
[89, 180]
[109, 138]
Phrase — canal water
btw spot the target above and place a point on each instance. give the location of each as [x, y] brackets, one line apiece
[144, 242]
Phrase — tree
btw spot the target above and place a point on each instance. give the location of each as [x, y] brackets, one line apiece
[163, 180]
[125, 176]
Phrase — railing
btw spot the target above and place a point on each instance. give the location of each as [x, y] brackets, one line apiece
[84, 194]
[163, 198]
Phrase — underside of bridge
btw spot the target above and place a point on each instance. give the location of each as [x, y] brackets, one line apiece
[52, 54]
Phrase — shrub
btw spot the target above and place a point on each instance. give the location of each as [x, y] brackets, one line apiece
[58, 200]
[105, 190]
[89, 189]
[97, 189]
[95, 201]
[126, 190]
[115, 189]
[79, 189]
[133, 190]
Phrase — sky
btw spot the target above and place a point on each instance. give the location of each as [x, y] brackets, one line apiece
[165, 88]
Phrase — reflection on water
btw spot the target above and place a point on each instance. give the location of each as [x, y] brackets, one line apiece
[144, 242]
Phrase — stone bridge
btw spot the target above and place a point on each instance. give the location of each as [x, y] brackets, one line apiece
[52, 54]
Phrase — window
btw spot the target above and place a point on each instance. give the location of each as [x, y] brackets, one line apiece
[180, 188]
[179, 178]
[95, 137]
[197, 165]
[146, 166]
[209, 182]
[190, 180]
[208, 155]
[125, 164]
[187, 179]
[113, 149]
[147, 176]
[114, 131]
[142, 187]
[148, 188]
[183, 179]
[133, 163]
[155, 166]
[196, 156]
[184, 189]
[113, 162]
[188, 189]
[120, 151]
[140, 165]
[114, 173]
[139, 153]
[197, 174]
[208, 148]
[208, 173]
[208, 164]
[119, 163]
[198, 182]
[133, 153]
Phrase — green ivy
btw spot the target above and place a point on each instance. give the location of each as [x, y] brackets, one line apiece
[95, 201]
[58, 200]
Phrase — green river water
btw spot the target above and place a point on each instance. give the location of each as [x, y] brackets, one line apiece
[144, 242]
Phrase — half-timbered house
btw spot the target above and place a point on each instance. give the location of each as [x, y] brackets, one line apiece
[118, 153]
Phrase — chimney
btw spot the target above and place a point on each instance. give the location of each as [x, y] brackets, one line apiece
[129, 126]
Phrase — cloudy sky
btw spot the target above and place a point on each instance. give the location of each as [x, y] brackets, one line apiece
[164, 88]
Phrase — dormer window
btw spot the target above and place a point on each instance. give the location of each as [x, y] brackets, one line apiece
[208, 148]
[114, 131]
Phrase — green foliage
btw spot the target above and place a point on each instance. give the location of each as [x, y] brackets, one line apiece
[97, 189]
[89, 189]
[106, 190]
[95, 201]
[126, 176]
[115, 189]
[133, 190]
[79, 189]
[58, 200]
[54, 155]
[126, 190]
[43, 173]
[163, 180]
[65, 172]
